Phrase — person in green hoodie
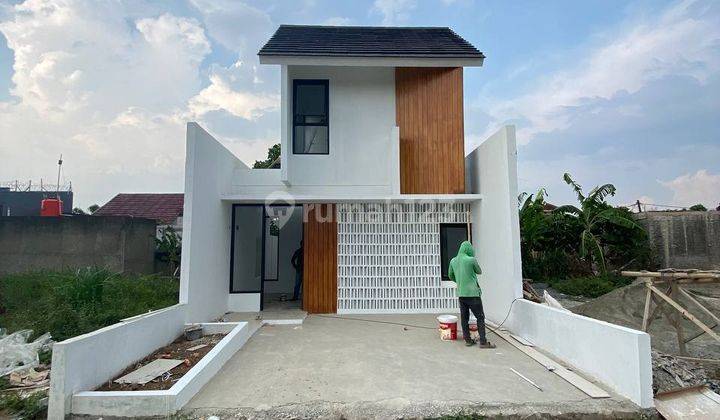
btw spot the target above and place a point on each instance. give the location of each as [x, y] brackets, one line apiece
[463, 270]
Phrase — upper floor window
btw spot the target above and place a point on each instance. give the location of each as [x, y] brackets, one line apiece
[311, 135]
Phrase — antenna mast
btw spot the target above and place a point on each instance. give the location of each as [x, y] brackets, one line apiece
[57, 191]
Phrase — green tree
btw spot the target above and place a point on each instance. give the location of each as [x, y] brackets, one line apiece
[592, 213]
[78, 211]
[698, 207]
[273, 154]
[93, 208]
[534, 225]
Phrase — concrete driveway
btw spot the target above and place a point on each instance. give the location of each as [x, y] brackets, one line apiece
[370, 367]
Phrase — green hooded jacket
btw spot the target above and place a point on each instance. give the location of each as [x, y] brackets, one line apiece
[463, 271]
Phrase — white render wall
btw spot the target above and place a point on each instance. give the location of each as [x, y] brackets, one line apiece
[389, 257]
[619, 357]
[205, 263]
[85, 362]
[362, 116]
[492, 172]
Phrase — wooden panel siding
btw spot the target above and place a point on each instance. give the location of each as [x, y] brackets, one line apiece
[429, 113]
[320, 258]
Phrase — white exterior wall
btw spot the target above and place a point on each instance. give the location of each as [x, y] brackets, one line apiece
[617, 356]
[362, 116]
[87, 361]
[492, 172]
[205, 263]
[389, 257]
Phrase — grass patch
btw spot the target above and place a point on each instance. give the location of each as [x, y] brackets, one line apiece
[72, 302]
[30, 407]
[590, 286]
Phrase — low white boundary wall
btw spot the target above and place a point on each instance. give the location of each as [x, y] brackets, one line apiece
[619, 357]
[86, 361]
[167, 402]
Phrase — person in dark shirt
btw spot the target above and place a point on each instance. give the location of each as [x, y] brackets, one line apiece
[297, 262]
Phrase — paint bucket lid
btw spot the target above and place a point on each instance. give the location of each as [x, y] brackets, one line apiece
[447, 319]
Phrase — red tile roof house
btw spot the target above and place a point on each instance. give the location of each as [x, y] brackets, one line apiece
[165, 208]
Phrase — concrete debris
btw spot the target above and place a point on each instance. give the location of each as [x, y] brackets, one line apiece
[552, 302]
[29, 378]
[671, 373]
[198, 347]
[193, 332]
[17, 354]
[149, 372]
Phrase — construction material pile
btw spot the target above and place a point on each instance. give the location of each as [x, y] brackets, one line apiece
[16, 354]
[670, 372]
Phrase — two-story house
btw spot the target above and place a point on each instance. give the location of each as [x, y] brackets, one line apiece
[377, 185]
[374, 183]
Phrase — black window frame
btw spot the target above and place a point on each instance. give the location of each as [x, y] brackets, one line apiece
[296, 83]
[443, 236]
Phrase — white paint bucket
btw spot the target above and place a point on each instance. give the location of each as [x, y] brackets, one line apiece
[448, 327]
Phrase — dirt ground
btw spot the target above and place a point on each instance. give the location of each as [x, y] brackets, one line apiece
[176, 350]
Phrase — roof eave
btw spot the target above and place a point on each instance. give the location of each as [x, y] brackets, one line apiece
[373, 61]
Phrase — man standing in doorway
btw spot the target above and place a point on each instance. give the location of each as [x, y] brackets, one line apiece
[297, 262]
[463, 270]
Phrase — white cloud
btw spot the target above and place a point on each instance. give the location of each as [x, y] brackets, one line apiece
[701, 187]
[394, 12]
[110, 85]
[683, 40]
[337, 21]
[220, 96]
[168, 31]
[236, 25]
[103, 87]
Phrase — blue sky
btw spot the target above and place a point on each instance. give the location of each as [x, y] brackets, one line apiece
[626, 92]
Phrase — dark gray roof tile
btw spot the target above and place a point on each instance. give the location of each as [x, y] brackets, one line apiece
[366, 41]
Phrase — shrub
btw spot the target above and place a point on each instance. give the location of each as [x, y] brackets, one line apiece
[73, 302]
[590, 286]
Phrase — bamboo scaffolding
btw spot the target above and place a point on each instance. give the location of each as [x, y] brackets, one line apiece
[672, 283]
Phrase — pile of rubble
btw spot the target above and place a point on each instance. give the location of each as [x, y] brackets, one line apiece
[670, 372]
[20, 366]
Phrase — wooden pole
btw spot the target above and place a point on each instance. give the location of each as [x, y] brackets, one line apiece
[646, 312]
[700, 305]
[685, 313]
[678, 320]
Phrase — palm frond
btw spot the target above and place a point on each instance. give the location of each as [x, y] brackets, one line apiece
[521, 197]
[613, 216]
[568, 209]
[576, 187]
[598, 194]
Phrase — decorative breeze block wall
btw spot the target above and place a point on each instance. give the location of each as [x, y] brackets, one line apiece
[389, 257]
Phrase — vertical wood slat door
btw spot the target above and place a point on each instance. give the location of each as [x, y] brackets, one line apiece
[319, 258]
[429, 113]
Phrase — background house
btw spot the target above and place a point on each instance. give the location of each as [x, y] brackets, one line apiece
[165, 208]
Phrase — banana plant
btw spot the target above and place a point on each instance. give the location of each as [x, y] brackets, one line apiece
[593, 211]
[534, 226]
